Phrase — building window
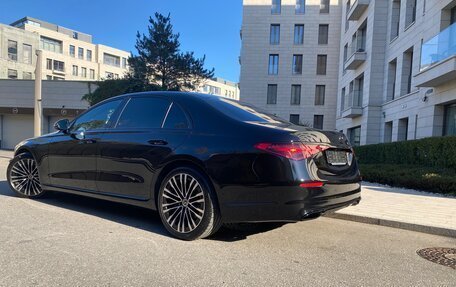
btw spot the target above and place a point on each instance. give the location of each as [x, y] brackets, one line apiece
[75, 70]
[294, 118]
[51, 45]
[27, 52]
[72, 51]
[83, 72]
[354, 135]
[449, 126]
[295, 95]
[111, 60]
[453, 15]
[124, 63]
[297, 64]
[276, 6]
[12, 74]
[388, 136]
[321, 64]
[274, 34]
[299, 34]
[395, 18]
[273, 68]
[89, 55]
[80, 53]
[407, 68]
[347, 10]
[318, 122]
[410, 12]
[323, 30]
[272, 95]
[48, 77]
[26, 75]
[75, 35]
[92, 74]
[49, 64]
[342, 101]
[402, 130]
[59, 66]
[391, 87]
[12, 50]
[357, 94]
[300, 6]
[109, 75]
[320, 91]
[324, 6]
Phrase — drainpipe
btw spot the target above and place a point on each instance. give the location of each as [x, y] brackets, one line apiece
[38, 110]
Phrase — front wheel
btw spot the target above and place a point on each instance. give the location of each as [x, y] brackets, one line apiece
[186, 205]
[23, 176]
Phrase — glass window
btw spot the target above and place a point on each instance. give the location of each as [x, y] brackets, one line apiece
[320, 95]
[323, 34]
[109, 75]
[27, 75]
[295, 94]
[145, 112]
[75, 35]
[81, 53]
[27, 51]
[49, 64]
[75, 70]
[96, 118]
[72, 51]
[84, 72]
[274, 37]
[318, 122]
[92, 74]
[124, 63]
[176, 119]
[273, 64]
[297, 64]
[294, 118]
[299, 34]
[59, 66]
[321, 64]
[449, 127]
[89, 55]
[111, 60]
[52, 45]
[276, 6]
[272, 95]
[12, 50]
[12, 74]
[354, 135]
[324, 6]
[300, 6]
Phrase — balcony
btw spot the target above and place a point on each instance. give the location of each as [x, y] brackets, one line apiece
[438, 59]
[353, 105]
[357, 9]
[358, 56]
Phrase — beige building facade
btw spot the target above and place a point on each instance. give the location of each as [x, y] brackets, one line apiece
[220, 87]
[67, 54]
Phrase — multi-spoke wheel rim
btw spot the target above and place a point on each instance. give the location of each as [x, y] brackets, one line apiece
[183, 203]
[24, 177]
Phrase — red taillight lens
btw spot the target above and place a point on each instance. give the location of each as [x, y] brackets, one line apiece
[295, 151]
[311, 184]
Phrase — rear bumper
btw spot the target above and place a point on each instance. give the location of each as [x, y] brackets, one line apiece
[284, 203]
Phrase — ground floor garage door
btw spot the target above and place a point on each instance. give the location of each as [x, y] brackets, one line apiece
[15, 128]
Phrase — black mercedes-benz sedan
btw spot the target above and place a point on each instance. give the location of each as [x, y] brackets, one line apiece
[199, 160]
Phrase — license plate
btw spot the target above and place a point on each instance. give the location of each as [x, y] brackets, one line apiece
[335, 157]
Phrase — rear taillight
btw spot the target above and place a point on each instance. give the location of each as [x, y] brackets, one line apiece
[295, 151]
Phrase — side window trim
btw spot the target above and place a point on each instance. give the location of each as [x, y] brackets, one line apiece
[184, 112]
[166, 115]
[121, 112]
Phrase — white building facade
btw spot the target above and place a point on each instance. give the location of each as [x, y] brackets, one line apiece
[220, 87]
[67, 54]
[396, 65]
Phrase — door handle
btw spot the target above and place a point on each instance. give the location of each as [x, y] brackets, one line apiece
[158, 142]
[88, 141]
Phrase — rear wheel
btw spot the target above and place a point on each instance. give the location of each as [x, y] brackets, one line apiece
[186, 204]
[23, 176]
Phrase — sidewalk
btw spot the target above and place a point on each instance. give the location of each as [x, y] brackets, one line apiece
[6, 154]
[403, 208]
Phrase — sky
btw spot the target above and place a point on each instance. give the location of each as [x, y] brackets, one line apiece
[207, 27]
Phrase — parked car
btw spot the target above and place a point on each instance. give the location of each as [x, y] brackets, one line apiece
[199, 160]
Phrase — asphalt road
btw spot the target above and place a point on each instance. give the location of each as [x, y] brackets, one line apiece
[66, 240]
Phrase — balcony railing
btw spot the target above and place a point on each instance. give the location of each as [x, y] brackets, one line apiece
[353, 104]
[356, 56]
[440, 47]
[357, 9]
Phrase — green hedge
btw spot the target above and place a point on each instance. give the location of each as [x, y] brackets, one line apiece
[431, 152]
[430, 179]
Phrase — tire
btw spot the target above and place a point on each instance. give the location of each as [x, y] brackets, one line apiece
[187, 205]
[23, 176]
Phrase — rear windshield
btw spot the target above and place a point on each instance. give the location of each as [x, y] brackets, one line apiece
[245, 112]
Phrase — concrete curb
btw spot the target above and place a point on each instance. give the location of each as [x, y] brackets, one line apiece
[395, 224]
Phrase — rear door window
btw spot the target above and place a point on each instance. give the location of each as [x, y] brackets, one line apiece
[143, 113]
[176, 119]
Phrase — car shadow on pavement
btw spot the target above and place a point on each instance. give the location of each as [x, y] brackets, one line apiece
[133, 216]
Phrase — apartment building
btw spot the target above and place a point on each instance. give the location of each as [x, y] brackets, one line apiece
[397, 79]
[67, 54]
[221, 88]
[290, 59]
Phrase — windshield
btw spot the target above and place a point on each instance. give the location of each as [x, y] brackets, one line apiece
[245, 112]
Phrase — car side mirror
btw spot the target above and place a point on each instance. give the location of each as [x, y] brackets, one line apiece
[62, 125]
[79, 135]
